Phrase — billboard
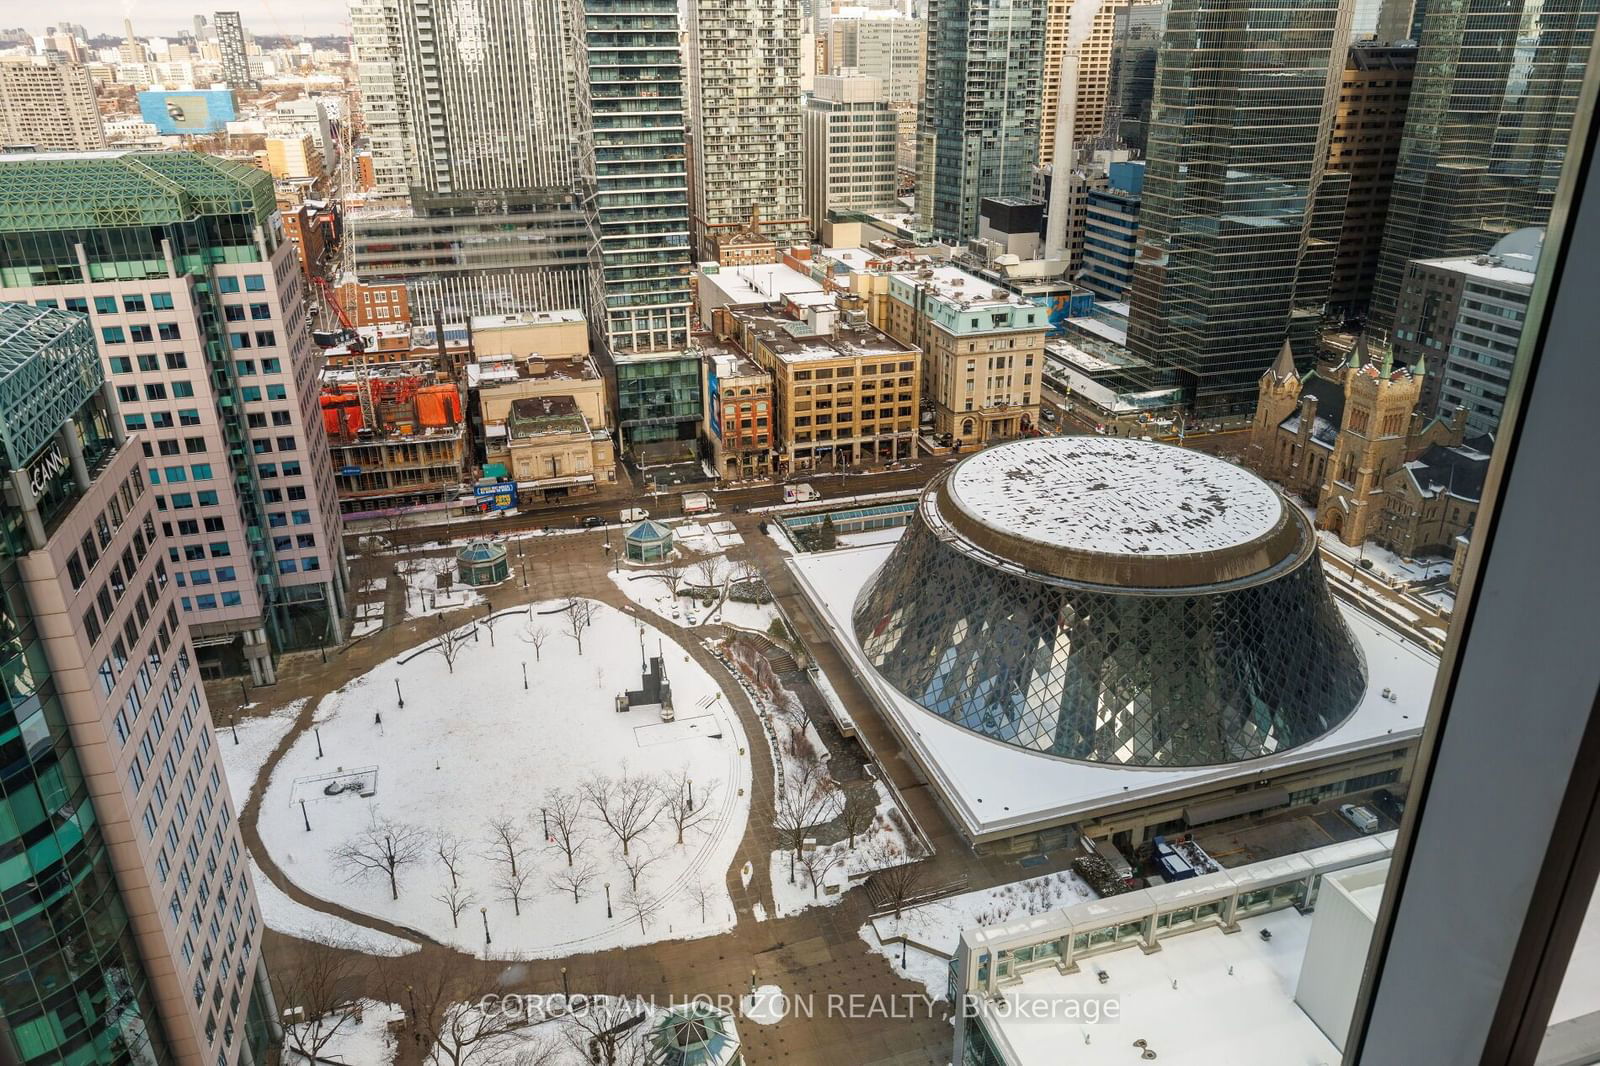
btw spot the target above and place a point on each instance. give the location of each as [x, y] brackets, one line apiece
[499, 496]
[187, 111]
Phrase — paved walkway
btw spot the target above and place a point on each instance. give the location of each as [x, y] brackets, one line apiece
[817, 953]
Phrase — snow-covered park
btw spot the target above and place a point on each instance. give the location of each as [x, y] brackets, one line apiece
[491, 802]
[665, 590]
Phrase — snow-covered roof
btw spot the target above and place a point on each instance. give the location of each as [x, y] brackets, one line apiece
[995, 789]
[1115, 496]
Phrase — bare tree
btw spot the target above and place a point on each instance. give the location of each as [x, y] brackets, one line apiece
[575, 879]
[513, 885]
[683, 808]
[818, 863]
[807, 799]
[534, 634]
[311, 978]
[563, 814]
[440, 994]
[640, 906]
[508, 841]
[451, 640]
[580, 613]
[605, 1032]
[860, 812]
[671, 576]
[456, 900]
[447, 846]
[705, 572]
[382, 847]
[637, 863]
[627, 805]
[701, 894]
[900, 879]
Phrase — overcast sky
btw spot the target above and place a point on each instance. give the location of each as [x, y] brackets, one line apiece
[160, 18]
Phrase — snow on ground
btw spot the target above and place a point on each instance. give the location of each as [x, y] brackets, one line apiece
[1385, 563]
[257, 737]
[363, 1041]
[767, 1005]
[698, 538]
[937, 925]
[653, 593]
[880, 845]
[294, 919]
[471, 745]
[423, 596]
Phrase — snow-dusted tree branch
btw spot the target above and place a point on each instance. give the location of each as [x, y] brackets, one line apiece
[310, 977]
[686, 804]
[563, 814]
[575, 879]
[382, 847]
[628, 805]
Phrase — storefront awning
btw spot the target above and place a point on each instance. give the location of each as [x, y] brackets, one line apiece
[555, 482]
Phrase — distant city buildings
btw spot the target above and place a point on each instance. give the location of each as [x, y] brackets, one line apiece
[231, 41]
[1463, 316]
[1131, 77]
[1486, 132]
[979, 125]
[744, 100]
[48, 105]
[1094, 72]
[1111, 231]
[1368, 127]
[849, 146]
[197, 305]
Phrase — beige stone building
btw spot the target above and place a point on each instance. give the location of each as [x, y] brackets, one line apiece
[554, 451]
[1348, 439]
[983, 352]
[846, 394]
[295, 156]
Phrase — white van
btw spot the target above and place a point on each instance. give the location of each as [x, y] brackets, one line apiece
[1360, 817]
[635, 514]
[801, 493]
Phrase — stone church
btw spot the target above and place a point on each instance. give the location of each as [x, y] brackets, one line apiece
[1347, 439]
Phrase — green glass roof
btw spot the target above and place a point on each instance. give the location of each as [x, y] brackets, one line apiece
[73, 190]
[48, 368]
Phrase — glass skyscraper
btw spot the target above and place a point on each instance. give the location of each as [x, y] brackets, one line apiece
[1135, 43]
[1239, 221]
[1491, 109]
[978, 131]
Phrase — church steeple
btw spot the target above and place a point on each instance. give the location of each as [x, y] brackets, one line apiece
[1283, 367]
[1358, 354]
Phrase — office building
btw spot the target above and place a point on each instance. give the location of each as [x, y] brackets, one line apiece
[295, 157]
[738, 421]
[849, 146]
[982, 352]
[1136, 40]
[380, 78]
[196, 301]
[1490, 114]
[1239, 221]
[48, 105]
[1094, 72]
[979, 126]
[1367, 130]
[1462, 317]
[744, 95]
[636, 96]
[1111, 232]
[887, 45]
[234, 49]
[134, 934]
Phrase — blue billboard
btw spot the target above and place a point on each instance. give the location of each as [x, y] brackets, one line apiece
[187, 111]
[498, 496]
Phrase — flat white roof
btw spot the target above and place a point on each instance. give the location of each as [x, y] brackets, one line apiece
[755, 284]
[997, 789]
[1115, 496]
[1207, 998]
[957, 286]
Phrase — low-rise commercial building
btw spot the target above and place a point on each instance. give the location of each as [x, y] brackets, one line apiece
[982, 351]
[845, 393]
[738, 422]
[554, 451]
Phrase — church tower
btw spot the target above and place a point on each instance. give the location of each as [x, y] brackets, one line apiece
[1378, 402]
[1277, 398]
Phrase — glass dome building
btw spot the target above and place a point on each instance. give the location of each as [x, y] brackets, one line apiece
[1114, 601]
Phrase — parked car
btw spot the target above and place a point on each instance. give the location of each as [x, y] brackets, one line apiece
[1388, 804]
[1360, 817]
[593, 521]
[1047, 415]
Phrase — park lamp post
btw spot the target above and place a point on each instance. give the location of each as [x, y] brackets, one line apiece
[565, 992]
[234, 728]
[304, 817]
[608, 899]
[484, 913]
[752, 984]
[524, 676]
[397, 694]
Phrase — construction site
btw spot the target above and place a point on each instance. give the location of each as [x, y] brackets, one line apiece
[397, 437]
